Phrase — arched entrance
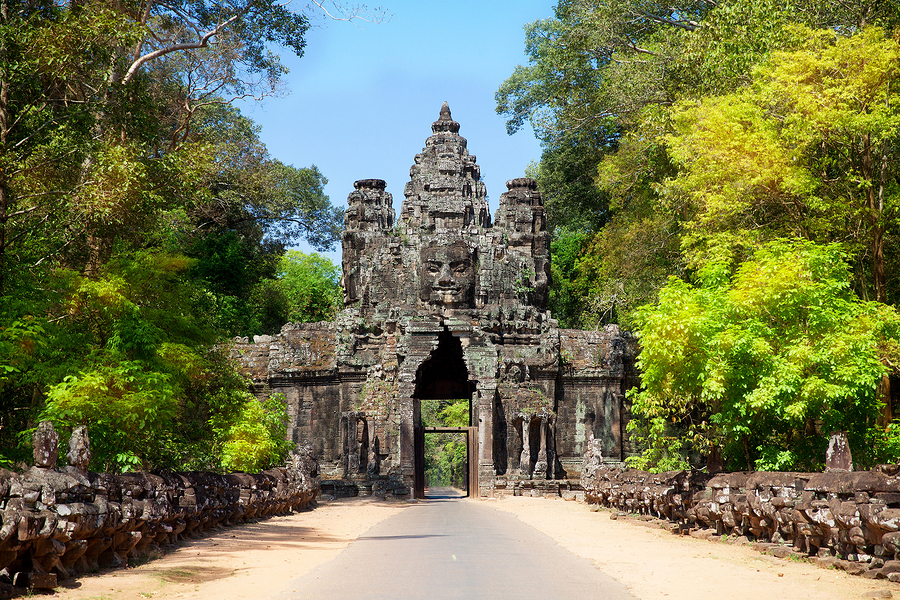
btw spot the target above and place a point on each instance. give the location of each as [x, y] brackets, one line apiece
[444, 376]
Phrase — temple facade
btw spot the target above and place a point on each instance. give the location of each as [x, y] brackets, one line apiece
[445, 302]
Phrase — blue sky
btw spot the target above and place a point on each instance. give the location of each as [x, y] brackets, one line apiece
[360, 102]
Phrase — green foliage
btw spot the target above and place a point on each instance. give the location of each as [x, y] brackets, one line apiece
[717, 126]
[307, 289]
[663, 448]
[455, 414]
[808, 150]
[256, 438]
[765, 361]
[884, 443]
[566, 296]
[123, 404]
[311, 284]
[445, 453]
[566, 177]
[139, 214]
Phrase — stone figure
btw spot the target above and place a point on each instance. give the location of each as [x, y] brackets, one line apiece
[44, 444]
[447, 275]
[79, 455]
[838, 456]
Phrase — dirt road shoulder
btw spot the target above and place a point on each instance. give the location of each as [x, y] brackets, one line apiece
[255, 560]
[655, 564]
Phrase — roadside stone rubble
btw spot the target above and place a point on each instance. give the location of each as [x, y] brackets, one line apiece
[57, 523]
[841, 519]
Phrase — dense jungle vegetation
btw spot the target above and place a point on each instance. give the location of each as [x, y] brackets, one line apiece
[723, 178]
[142, 221]
[446, 455]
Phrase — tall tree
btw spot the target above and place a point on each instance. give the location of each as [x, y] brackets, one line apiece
[124, 175]
[604, 75]
[763, 364]
[809, 150]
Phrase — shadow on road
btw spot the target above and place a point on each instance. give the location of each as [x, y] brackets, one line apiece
[444, 493]
[398, 537]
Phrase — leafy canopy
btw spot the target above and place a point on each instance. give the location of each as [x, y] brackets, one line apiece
[765, 361]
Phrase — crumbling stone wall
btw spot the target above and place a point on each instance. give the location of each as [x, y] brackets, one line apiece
[301, 364]
[57, 523]
[845, 519]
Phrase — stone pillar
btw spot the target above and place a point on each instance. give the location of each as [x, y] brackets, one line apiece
[486, 392]
[345, 445]
[372, 467]
[525, 457]
[551, 449]
[407, 440]
[352, 445]
[540, 467]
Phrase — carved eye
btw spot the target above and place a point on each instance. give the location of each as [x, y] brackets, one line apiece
[433, 267]
[460, 267]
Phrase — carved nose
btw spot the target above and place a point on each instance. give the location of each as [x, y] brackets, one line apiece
[446, 277]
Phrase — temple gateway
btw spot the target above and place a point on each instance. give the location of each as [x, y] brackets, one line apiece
[447, 303]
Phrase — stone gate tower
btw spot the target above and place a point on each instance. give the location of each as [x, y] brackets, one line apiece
[444, 304]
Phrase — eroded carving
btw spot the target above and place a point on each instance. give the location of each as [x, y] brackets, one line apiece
[447, 275]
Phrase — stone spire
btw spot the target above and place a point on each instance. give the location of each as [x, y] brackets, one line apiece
[369, 215]
[445, 122]
[445, 191]
[522, 216]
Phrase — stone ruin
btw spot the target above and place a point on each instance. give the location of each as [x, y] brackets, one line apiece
[843, 519]
[446, 303]
[60, 522]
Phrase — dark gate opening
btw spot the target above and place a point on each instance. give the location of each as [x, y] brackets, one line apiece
[443, 377]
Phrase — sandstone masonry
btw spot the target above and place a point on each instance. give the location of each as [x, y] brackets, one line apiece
[837, 519]
[444, 303]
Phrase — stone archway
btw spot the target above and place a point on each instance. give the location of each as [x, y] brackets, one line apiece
[444, 376]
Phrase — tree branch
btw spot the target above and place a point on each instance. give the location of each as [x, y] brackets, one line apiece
[687, 25]
[204, 42]
[353, 16]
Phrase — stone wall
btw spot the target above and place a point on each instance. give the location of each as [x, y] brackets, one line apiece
[849, 520]
[301, 364]
[57, 523]
[597, 370]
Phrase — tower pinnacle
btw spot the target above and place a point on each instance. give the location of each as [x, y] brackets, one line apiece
[445, 122]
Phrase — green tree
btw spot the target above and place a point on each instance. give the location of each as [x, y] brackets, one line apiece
[445, 453]
[599, 87]
[763, 362]
[309, 285]
[816, 158]
[139, 213]
[257, 438]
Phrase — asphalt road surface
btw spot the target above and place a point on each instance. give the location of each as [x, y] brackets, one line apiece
[448, 547]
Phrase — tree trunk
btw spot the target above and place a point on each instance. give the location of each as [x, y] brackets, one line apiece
[883, 393]
[875, 209]
[4, 136]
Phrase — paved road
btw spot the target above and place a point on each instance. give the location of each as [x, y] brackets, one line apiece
[449, 548]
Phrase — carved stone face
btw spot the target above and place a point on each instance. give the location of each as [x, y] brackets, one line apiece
[446, 275]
